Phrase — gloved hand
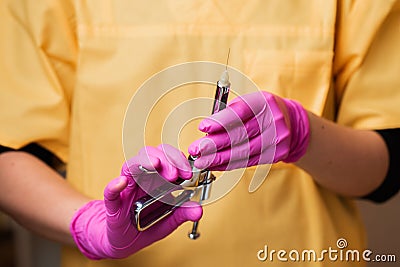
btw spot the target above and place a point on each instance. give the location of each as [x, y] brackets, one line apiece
[257, 128]
[104, 229]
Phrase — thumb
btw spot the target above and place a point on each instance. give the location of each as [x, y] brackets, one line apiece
[112, 196]
[189, 211]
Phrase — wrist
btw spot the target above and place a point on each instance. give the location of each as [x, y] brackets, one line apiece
[292, 128]
[82, 227]
[299, 130]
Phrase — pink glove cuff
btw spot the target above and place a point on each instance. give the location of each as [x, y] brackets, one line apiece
[300, 130]
[78, 228]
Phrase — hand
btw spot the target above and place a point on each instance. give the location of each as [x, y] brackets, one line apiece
[256, 128]
[104, 229]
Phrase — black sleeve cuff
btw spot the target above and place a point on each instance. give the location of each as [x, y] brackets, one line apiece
[391, 184]
[5, 149]
[41, 153]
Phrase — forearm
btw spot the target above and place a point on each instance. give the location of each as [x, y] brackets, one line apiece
[347, 161]
[37, 197]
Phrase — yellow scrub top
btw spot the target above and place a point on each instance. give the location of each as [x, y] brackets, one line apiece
[69, 68]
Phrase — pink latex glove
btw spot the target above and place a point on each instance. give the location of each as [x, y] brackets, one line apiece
[257, 128]
[104, 228]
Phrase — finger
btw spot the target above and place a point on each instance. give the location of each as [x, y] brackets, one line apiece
[176, 159]
[236, 99]
[149, 159]
[220, 120]
[223, 157]
[240, 152]
[230, 138]
[205, 145]
[112, 195]
[240, 110]
[144, 159]
[162, 167]
[252, 161]
[189, 211]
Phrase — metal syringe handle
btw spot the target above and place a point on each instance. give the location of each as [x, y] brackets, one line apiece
[163, 200]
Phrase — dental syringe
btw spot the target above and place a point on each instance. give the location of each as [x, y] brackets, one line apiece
[163, 200]
[220, 101]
